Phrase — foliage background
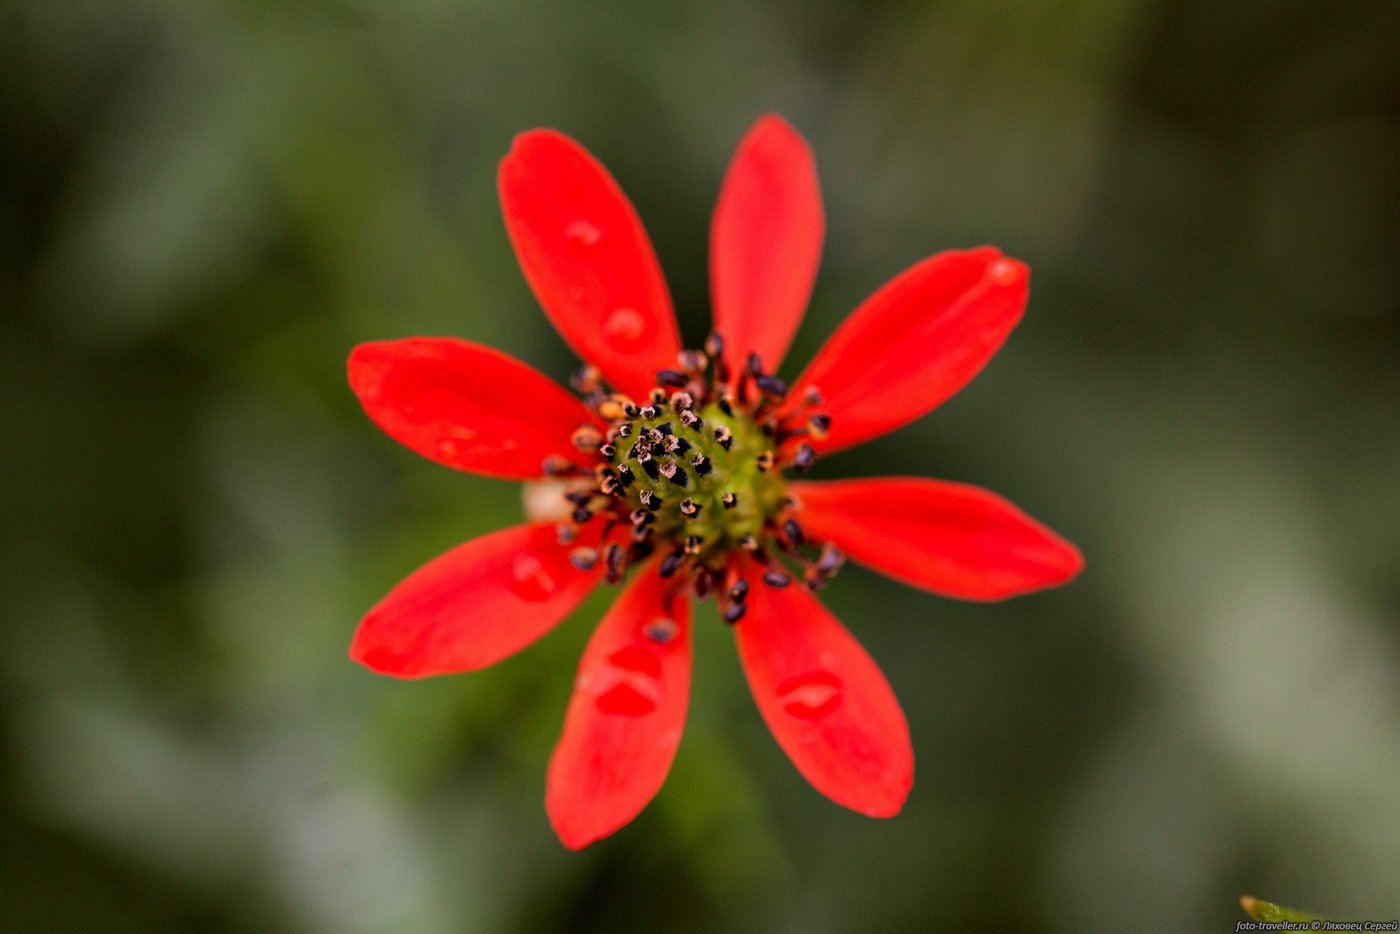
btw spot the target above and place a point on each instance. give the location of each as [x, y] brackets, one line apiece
[204, 205]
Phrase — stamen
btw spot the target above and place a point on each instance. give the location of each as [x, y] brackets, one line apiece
[794, 532]
[608, 450]
[729, 500]
[556, 465]
[714, 345]
[748, 543]
[625, 475]
[724, 436]
[703, 582]
[813, 396]
[564, 533]
[640, 517]
[672, 442]
[735, 612]
[650, 411]
[691, 420]
[726, 404]
[693, 544]
[668, 470]
[771, 385]
[581, 515]
[777, 579]
[664, 429]
[648, 465]
[682, 401]
[614, 563]
[586, 379]
[679, 477]
[830, 561]
[692, 361]
[587, 438]
[650, 500]
[673, 378]
[682, 446]
[688, 508]
[753, 364]
[805, 457]
[671, 563]
[657, 396]
[819, 425]
[701, 463]
[584, 558]
[739, 590]
[764, 461]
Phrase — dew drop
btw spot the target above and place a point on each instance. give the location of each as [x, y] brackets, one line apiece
[625, 329]
[584, 233]
[530, 580]
[629, 682]
[810, 697]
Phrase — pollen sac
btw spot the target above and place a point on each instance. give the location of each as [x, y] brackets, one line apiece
[735, 612]
[778, 579]
[587, 438]
[805, 457]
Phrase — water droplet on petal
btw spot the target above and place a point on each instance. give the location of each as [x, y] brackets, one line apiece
[629, 682]
[584, 233]
[1004, 272]
[810, 697]
[530, 580]
[625, 329]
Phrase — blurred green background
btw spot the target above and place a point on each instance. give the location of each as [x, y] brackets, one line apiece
[204, 205]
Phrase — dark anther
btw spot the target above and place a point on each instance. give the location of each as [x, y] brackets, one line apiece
[777, 579]
[625, 475]
[579, 497]
[564, 533]
[630, 409]
[748, 543]
[831, 559]
[753, 364]
[650, 411]
[624, 429]
[556, 465]
[671, 563]
[664, 429]
[771, 385]
[672, 378]
[610, 485]
[739, 590]
[819, 425]
[680, 478]
[735, 612]
[813, 396]
[691, 361]
[668, 470]
[649, 465]
[805, 457]
[691, 420]
[681, 447]
[638, 551]
[641, 452]
[794, 532]
[682, 401]
[724, 436]
[726, 404]
[714, 344]
[703, 581]
[672, 442]
[581, 515]
[641, 533]
[729, 500]
[693, 544]
[586, 379]
[688, 508]
[657, 396]
[764, 461]
[614, 563]
[584, 558]
[650, 500]
[587, 438]
[608, 450]
[640, 517]
[701, 463]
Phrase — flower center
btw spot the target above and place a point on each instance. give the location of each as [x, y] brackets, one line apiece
[695, 470]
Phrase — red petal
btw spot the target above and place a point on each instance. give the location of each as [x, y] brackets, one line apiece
[625, 715]
[951, 538]
[765, 243]
[473, 606]
[825, 699]
[587, 258]
[915, 342]
[467, 406]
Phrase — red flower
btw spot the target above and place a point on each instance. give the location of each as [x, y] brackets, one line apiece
[678, 470]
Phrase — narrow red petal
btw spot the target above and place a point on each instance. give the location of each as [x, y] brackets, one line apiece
[588, 259]
[915, 342]
[951, 538]
[474, 605]
[824, 699]
[765, 243]
[625, 715]
[467, 406]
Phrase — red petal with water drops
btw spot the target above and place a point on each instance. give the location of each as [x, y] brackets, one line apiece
[587, 258]
[474, 605]
[915, 342]
[467, 406]
[765, 243]
[825, 699]
[625, 715]
[951, 538]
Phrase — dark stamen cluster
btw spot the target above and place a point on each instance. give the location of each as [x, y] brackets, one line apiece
[694, 471]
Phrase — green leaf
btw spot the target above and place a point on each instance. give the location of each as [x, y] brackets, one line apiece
[1268, 911]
